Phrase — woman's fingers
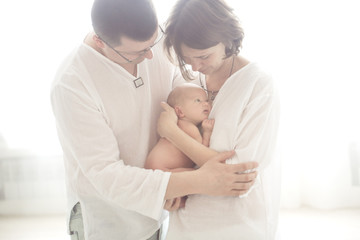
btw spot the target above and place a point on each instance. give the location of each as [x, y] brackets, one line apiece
[167, 120]
[166, 107]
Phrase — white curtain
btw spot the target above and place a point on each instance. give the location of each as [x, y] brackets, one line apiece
[311, 47]
[35, 37]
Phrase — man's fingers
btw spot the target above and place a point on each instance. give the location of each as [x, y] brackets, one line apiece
[221, 157]
[168, 204]
[248, 177]
[173, 204]
[236, 193]
[242, 184]
[176, 203]
[239, 189]
[245, 167]
[183, 201]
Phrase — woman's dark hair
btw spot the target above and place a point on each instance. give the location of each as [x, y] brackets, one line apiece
[201, 24]
[113, 19]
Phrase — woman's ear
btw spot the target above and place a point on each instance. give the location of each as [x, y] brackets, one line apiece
[179, 112]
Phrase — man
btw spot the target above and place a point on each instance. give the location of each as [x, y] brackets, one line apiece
[106, 100]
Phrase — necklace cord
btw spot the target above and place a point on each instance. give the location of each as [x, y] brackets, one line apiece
[213, 93]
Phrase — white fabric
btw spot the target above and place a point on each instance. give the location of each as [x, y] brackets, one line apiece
[106, 128]
[246, 119]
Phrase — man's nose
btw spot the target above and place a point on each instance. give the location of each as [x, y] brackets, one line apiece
[149, 54]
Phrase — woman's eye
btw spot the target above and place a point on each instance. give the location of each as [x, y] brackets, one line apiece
[186, 60]
[204, 57]
[197, 100]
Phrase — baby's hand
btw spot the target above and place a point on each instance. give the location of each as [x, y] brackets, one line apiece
[208, 125]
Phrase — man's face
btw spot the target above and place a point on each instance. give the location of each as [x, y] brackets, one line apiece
[131, 51]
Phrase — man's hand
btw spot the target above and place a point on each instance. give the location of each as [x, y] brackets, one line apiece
[175, 203]
[214, 178]
[220, 179]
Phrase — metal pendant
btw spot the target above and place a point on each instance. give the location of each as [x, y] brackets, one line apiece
[138, 82]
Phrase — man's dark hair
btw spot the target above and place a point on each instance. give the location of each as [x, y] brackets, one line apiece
[113, 19]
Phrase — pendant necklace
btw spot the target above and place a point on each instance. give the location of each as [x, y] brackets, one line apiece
[138, 82]
[212, 94]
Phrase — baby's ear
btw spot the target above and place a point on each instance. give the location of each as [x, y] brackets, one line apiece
[179, 112]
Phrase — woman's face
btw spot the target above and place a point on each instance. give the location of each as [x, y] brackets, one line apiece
[207, 61]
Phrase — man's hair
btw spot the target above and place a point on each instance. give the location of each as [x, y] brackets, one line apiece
[113, 19]
[201, 24]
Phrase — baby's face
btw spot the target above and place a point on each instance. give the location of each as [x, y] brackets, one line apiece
[196, 106]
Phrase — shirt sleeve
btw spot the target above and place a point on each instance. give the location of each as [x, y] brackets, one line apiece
[256, 133]
[90, 146]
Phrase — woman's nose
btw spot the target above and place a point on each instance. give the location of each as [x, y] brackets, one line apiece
[195, 65]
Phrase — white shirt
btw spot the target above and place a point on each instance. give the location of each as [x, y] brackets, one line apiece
[106, 127]
[246, 113]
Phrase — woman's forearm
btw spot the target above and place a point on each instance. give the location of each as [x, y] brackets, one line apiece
[168, 128]
[206, 138]
[197, 152]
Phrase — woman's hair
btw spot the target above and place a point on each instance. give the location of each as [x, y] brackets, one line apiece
[201, 24]
[113, 19]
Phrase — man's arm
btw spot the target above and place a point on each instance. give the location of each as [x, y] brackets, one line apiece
[214, 178]
[92, 151]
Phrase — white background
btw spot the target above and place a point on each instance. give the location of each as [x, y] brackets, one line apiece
[311, 47]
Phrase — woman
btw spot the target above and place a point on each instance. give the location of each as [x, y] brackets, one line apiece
[206, 36]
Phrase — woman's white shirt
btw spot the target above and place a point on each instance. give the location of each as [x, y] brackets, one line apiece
[246, 112]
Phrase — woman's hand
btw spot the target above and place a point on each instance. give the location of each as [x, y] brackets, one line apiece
[167, 120]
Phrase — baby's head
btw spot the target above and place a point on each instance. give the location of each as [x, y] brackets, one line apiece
[190, 102]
